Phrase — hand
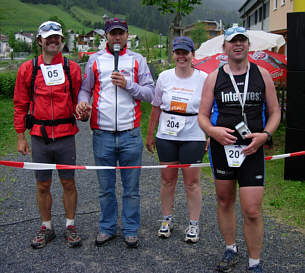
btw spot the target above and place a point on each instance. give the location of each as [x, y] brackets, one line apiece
[22, 145]
[258, 139]
[83, 110]
[206, 148]
[223, 135]
[150, 143]
[118, 79]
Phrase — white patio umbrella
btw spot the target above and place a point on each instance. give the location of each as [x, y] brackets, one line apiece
[259, 40]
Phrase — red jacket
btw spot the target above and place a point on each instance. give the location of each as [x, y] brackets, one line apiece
[50, 102]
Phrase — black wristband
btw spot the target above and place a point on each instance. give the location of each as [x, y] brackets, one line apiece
[268, 134]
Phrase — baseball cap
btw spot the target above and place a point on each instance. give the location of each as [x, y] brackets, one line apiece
[231, 32]
[49, 28]
[115, 23]
[183, 42]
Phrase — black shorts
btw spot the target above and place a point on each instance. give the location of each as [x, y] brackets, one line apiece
[185, 152]
[250, 173]
[60, 151]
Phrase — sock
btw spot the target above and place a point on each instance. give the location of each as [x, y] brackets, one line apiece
[69, 222]
[194, 222]
[47, 224]
[232, 247]
[168, 217]
[253, 262]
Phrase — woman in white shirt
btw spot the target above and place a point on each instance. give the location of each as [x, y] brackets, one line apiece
[179, 139]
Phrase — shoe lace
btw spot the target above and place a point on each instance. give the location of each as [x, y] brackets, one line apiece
[72, 231]
[192, 229]
[228, 255]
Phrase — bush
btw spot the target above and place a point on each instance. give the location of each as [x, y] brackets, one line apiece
[7, 84]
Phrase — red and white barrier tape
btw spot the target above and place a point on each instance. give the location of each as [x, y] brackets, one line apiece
[44, 166]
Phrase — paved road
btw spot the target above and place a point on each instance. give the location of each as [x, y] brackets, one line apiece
[283, 251]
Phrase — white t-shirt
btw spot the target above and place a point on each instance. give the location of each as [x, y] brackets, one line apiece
[183, 95]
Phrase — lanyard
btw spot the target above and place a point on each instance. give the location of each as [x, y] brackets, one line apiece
[242, 101]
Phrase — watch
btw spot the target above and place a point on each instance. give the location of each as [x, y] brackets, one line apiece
[268, 134]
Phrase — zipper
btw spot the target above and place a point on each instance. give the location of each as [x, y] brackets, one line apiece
[52, 114]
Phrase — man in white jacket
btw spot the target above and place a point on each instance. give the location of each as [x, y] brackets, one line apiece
[115, 121]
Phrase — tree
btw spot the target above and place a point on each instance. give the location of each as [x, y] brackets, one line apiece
[199, 34]
[181, 7]
[97, 40]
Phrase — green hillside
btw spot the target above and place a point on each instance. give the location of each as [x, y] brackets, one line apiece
[18, 16]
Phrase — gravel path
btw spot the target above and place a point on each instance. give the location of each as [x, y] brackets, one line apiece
[283, 251]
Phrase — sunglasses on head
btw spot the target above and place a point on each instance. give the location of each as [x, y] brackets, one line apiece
[50, 26]
[116, 20]
[232, 30]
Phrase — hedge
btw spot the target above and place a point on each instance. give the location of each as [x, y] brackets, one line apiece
[7, 84]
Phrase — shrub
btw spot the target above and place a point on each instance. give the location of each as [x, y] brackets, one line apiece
[7, 84]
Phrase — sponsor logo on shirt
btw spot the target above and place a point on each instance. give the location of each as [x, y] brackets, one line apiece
[233, 97]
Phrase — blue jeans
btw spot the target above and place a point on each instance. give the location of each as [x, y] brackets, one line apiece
[126, 148]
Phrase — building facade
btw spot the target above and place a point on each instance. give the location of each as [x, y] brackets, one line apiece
[255, 14]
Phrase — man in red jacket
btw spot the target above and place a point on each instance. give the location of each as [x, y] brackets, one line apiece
[46, 103]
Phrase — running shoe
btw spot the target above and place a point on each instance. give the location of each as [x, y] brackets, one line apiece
[72, 238]
[102, 238]
[255, 269]
[192, 234]
[228, 261]
[131, 241]
[166, 228]
[43, 237]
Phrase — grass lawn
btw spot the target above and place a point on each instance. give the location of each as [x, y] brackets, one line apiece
[8, 139]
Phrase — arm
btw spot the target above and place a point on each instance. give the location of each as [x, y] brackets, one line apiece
[259, 139]
[143, 89]
[220, 134]
[83, 107]
[21, 106]
[153, 121]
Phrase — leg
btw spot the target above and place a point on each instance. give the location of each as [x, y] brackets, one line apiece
[251, 200]
[226, 196]
[168, 186]
[130, 154]
[44, 199]
[69, 197]
[105, 155]
[193, 191]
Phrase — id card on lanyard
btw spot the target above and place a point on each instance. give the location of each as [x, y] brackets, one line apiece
[242, 100]
[53, 74]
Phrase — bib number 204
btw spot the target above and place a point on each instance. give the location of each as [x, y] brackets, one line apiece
[172, 124]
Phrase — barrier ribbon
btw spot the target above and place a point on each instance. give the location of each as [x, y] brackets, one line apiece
[45, 166]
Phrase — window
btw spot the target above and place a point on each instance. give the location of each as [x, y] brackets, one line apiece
[260, 15]
[248, 23]
[274, 4]
[264, 11]
[255, 17]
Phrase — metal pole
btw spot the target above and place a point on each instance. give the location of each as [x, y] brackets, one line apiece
[160, 48]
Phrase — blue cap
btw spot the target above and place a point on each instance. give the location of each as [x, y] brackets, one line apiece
[183, 42]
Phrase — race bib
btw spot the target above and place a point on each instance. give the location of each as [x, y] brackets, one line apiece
[53, 74]
[234, 155]
[171, 124]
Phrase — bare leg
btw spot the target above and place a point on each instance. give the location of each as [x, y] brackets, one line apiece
[193, 191]
[168, 186]
[44, 199]
[251, 200]
[69, 197]
[226, 196]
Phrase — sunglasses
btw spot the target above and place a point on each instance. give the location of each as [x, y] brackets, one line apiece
[50, 26]
[116, 20]
[232, 30]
